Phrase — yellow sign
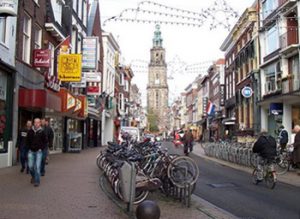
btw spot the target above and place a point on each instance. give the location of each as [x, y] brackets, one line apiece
[69, 67]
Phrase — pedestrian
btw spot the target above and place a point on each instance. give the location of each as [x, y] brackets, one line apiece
[296, 152]
[36, 141]
[23, 147]
[283, 138]
[188, 142]
[50, 136]
[265, 146]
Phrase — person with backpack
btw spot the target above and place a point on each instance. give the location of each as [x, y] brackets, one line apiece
[265, 146]
[283, 138]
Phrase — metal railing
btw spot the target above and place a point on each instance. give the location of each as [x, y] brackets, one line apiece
[289, 38]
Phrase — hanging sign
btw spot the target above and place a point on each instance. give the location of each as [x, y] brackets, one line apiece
[69, 67]
[247, 92]
[41, 58]
[89, 53]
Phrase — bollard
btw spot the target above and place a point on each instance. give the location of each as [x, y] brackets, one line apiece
[148, 210]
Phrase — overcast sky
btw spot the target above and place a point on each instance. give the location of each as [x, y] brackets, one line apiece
[186, 46]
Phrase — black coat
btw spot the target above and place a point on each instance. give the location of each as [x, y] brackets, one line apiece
[284, 137]
[36, 139]
[22, 139]
[265, 146]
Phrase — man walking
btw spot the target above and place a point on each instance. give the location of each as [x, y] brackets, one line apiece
[50, 136]
[36, 141]
[22, 146]
[188, 142]
[296, 152]
[283, 138]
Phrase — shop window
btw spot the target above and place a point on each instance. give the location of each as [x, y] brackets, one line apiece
[26, 38]
[3, 119]
[3, 30]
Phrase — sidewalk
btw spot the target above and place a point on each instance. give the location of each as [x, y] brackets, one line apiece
[289, 178]
[70, 189]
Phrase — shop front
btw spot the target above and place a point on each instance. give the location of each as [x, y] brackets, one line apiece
[6, 108]
[42, 103]
[74, 109]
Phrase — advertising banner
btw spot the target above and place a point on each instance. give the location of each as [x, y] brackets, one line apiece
[41, 58]
[89, 53]
[69, 67]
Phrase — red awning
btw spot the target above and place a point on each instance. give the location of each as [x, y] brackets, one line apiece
[39, 99]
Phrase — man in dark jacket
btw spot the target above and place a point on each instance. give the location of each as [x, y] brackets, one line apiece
[283, 137]
[265, 147]
[50, 136]
[22, 146]
[188, 142]
[36, 141]
[296, 152]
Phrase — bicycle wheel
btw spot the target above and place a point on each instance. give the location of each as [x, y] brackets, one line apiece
[271, 180]
[254, 177]
[140, 195]
[281, 166]
[253, 159]
[183, 170]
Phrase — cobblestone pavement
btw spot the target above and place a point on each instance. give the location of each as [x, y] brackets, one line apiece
[70, 189]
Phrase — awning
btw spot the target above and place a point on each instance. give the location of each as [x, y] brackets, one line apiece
[39, 99]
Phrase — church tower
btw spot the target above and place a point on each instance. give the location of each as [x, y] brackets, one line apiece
[157, 89]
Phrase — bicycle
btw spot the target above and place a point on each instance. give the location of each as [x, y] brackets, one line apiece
[268, 174]
[284, 160]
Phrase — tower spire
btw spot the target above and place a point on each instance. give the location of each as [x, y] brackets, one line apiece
[157, 39]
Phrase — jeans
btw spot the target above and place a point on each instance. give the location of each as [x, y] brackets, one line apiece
[187, 146]
[45, 154]
[23, 157]
[34, 163]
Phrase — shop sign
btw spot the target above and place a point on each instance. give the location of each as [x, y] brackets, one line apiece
[247, 92]
[41, 58]
[205, 100]
[92, 76]
[70, 101]
[69, 67]
[276, 108]
[89, 53]
[91, 100]
[93, 90]
[8, 7]
[3, 86]
[222, 95]
[52, 82]
[78, 105]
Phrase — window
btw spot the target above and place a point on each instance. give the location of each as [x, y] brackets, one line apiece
[3, 30]
[38, 38]
[268, 7]
[84, 20]
[272, 40]
[80, 9]
[126, 85]
[75, 5]
[26, 38]
[157, 99]
[57, 9]
[51, 69]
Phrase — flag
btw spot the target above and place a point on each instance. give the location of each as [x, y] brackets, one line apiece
[210, 109]
[64, 46]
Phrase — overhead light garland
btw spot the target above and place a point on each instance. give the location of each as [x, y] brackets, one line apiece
[164, 14]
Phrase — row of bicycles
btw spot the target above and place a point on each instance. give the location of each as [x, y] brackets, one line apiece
[155, 168]
[241, 153]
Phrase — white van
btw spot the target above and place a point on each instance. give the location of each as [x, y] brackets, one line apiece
[133, 131]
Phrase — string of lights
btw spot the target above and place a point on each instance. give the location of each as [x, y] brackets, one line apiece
[164, 14]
